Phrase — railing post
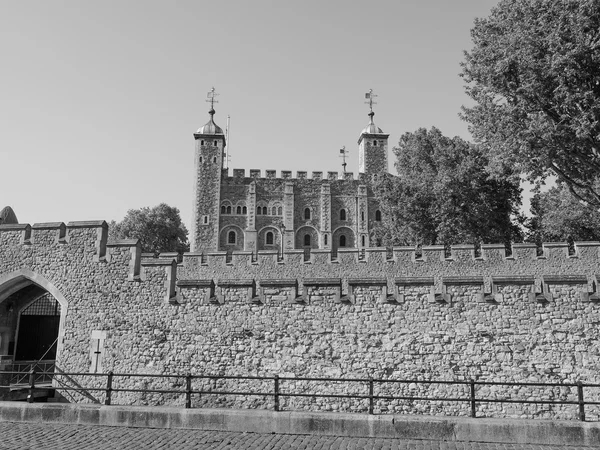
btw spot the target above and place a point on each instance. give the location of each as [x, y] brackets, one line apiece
[109, 381]
[188, 391]
[370, 395]
[472, 389]
[276, 382]
[580, 400]
[31, 386]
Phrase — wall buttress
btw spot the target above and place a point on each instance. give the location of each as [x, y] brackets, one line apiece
[288, 216]
[325, 237]
[362, 216]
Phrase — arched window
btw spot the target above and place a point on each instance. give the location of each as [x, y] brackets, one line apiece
[215, 143]
[269, 238]
[375, 143]
[363, 241]
[306, 213]
[274, 211]
[342, 214]
[238, 210]
[223, 209]
[280, 211]
[342, 240]
[258, 210]
[378, 216]
[307, 239]
[231, 237]
[362, 216]
[244, 210]
[228, 209]
[202, 142]
[325, 240]
[264, 210]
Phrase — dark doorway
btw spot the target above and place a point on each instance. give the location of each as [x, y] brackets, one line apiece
[38, 329]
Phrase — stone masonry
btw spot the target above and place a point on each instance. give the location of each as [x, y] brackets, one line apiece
[391, 314]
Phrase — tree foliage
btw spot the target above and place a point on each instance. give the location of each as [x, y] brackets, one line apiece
[534, 73]
[159, 229]
[7, 216]
[557, 216]
[442, 196]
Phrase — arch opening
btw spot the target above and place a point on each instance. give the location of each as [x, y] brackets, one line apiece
[32, 316]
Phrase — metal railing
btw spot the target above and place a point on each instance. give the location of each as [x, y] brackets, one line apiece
[21, 371]
[277, 393]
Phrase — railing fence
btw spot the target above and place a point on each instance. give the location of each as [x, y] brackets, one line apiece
[277, 393]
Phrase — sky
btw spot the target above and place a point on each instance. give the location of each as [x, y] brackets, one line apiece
[99, 100]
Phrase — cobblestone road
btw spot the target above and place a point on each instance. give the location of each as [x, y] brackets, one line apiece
[70, 437]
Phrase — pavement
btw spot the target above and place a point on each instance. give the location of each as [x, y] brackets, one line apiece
[46, 436]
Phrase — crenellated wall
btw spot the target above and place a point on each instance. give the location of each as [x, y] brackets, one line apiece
[383, 313]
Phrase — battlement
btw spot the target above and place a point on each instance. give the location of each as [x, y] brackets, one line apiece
[286, 175]
[492, 264]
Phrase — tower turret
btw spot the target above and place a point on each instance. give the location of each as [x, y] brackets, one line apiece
[372, 145]
[208, 160]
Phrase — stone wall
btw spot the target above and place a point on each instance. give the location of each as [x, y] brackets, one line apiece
[266, 206]
[391, 314]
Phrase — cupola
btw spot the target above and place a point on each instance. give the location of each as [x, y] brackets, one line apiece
[210, 127]
[371, 128]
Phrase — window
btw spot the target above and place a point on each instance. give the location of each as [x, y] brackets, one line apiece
[269, 238]
[325, 239]
[244, 210]
[215, 159]
[342, 240]
[223, 209]
[205, 219]
[307, 239]
[231, 237]
[342, 214]
[264, 210]
[201, 159]
[362, 216]
[307, 213]
[228, 209]
[375, 143]
[274, 211]
[215, 143]
[280, 211]
[238, 210]
[258, 210]
[378, 216]
[363, 241]
[378, 242]
[202, 142]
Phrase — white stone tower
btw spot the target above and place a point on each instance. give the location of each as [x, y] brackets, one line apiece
[372, 145]
[208, 160]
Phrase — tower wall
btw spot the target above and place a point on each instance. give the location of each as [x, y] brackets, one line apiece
[208, 160]
[372, 153]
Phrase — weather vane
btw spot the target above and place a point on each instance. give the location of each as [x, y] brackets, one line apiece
[370, 96]
[211, 98]
[343, 154]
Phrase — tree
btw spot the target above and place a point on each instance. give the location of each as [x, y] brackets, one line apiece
[558, 216]
[7, 216]
[442, 196]
[159, 229]
[534, 73]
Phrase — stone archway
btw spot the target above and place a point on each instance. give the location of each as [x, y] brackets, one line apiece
[26, 303]
[307, 237]
[343, 237]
